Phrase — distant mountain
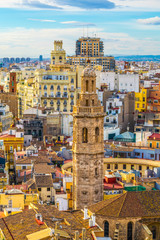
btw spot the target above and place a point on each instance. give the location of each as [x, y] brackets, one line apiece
[139, 58]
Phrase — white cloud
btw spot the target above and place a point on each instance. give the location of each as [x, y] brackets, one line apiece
[134, 5]
[137, 5]
[78, 24]
[41, 20]
[69, 22]
[33, 42]
[150, 21]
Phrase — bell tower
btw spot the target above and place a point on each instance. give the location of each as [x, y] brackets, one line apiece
[88, 145]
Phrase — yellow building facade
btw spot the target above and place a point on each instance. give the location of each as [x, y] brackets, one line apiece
[56, 87]
[141, 100]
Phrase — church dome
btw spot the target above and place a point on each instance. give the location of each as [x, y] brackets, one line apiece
[89, 72]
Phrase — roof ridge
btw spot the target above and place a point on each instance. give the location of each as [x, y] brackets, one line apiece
[122, 203]
[115, 198]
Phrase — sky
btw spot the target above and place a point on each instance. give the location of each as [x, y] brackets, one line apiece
[28, 28]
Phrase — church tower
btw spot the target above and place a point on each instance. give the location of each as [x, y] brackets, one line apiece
[88, 145]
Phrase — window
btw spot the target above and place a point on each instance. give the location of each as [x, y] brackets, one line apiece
[84, 135]
[137, 154]
[93, 102]
[87, 103]
[144, 99]
[106, 229]
[96, 134]
[92, 86]
[140, 167]
[96, 171]
[157, 145]
[129, 231]
[124, 166]
[108, 166]
[152, 155]
[39, 189]
[72, 80]
[23, 167]
[150, 145]
[153, 230]
[87, 86]
[48, 189]
[147, 167]
[51, 87]
[137, 105]
[132, 167]
[116, 166]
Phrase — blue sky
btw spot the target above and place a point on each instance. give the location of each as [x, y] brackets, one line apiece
[127, 27]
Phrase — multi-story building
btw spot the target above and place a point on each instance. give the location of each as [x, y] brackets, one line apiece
[91, 49]
[34, 127]
[57, 87]
[141, 100]
[153, 99]
[6, 117]
[9, 143]
[127, 82]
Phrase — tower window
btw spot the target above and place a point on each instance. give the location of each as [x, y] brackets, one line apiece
[87, 86]
[93, 102]
[92, 86]
[129, 231]
[84, 135]
[87, 103]
[97, 134]
[106, 229]
[96, 171]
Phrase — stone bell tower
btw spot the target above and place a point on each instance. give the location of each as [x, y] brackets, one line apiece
[88, 146]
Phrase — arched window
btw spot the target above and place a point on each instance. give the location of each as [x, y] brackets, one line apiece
[58, 87]
[96, 134]
[72, 80]
[87, 103]
[53, 58]
[96, 172]
[153, 230]
[60, 58]
[84, 135]
[87, 86]
[51, 87]
[92, 86]
[106, 229]
[45, 87]
[129, 231]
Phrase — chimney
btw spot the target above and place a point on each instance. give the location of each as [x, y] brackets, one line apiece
[76, 235]
[90, 223]
[83, 234]
[94, 219]
[85, 213]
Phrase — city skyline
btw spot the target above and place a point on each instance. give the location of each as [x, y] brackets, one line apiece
[28, 28]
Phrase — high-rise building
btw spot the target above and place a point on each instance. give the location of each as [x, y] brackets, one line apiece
[40, 58]
[88, 146]
[91, 47]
